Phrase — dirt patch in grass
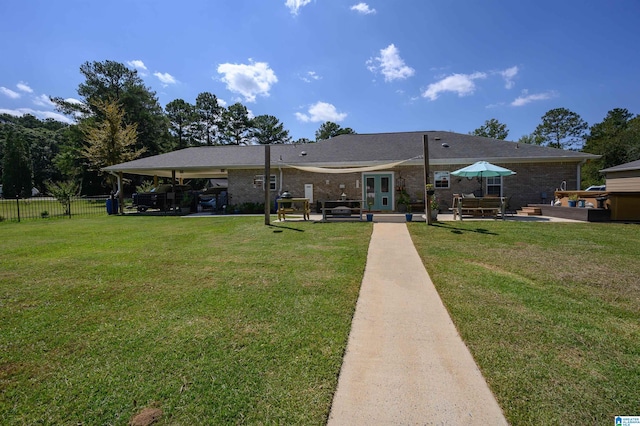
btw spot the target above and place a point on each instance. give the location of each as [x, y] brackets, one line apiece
[146, 417]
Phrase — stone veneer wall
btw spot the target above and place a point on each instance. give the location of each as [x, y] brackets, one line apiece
[525, 187]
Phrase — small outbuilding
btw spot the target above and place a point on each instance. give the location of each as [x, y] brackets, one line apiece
[623, 187]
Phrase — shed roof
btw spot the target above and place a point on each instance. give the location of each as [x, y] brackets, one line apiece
[634, 165]
[348, 151]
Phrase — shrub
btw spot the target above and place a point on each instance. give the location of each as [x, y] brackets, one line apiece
[145, 186]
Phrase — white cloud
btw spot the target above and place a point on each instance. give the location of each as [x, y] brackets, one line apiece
[249, 80]
[43, 100]
[74, 101]
[508, 76]
[24, 87]
[137, 64]
[363, 8]
[526, 98]
[40, 114]
[462, 84]
[295, 5]
[10, 93]
[310, 76]
[321, 112]
[390, 64]
[165, 78]
[56, 116]
[222, 102]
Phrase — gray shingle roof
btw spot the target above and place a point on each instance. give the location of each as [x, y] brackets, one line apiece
[351, 150]
[634, 165]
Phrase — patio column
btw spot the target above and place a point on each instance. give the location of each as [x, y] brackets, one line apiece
[427, 204]
[120, 194]
[267, 184]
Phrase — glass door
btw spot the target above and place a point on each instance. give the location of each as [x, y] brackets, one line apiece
[379, 187]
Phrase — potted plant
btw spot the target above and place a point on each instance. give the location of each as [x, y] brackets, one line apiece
[435, 207]
[408, 215]
[403, 201]
[573, 200]
[370, 201]
[430, 189]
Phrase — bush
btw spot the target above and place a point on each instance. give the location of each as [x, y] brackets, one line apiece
[247, 208]
[145, 186]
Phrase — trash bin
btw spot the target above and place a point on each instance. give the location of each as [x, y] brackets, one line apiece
[112, 206]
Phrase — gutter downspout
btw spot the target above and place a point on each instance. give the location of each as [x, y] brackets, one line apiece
[579, 174]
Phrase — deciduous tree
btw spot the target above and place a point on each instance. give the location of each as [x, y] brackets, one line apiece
[16, 173]
[616, 139]
[330, 129]
[109, 141]
[492, 129]
[63, 192]
[532, 139]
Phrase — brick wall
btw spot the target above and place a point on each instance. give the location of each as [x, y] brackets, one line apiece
[527, 186]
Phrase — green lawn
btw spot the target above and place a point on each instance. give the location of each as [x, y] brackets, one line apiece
[550, 311]
[213, 320]
[221, 320]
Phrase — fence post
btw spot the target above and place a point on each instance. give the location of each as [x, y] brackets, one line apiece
[69, 207]
[18, 204]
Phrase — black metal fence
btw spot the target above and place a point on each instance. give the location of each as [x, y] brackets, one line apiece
[19, 209]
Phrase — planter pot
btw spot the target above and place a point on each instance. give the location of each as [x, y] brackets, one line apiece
[409, 217]
[572, 203]
[369, 217]
[581, 203]
[434, 215]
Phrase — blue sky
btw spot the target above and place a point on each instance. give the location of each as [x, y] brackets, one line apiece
[374, 66]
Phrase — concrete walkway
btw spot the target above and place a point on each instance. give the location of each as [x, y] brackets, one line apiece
[405, 363]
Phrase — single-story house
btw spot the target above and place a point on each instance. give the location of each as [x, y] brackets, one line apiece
[380, 164]
[623, 188]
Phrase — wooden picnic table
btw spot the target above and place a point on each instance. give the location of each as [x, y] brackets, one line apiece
[293, 206]
[478, 206]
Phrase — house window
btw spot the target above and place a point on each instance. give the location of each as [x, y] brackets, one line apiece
[494, 186]
[441, 179]
[258, 182]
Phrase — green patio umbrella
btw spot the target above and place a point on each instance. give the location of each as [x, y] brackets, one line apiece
[481, 169]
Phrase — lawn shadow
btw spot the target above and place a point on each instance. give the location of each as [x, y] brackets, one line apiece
[457, 230]
[280, 227]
